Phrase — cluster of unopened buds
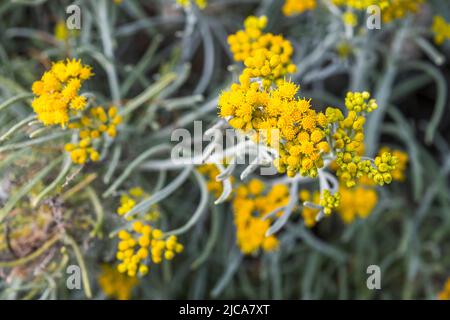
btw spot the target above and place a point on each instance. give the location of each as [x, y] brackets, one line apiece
[144, 244]
[265, 56]
[90, 128]
[348, 139]
[129, 200]
[329, 201]
[353, 202]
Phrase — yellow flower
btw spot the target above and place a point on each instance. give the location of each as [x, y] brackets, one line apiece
[356, 202]
[265, 56]
[294, 7]
[141, 243]
[390, 9]
[78, 156]
[251, 204]
[398, 9]
[130, 199]
[89, 128]
[329, 201]
[114, 284]
[441, 30]
[78, 103]
[277, 110]
[349, 203]
[398, 174]
[445, 293]
[57, 91]
[348, 141]
[350, 19]
[255, 187]
[187, 3]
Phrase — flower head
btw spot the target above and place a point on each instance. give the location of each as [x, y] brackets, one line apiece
[441, 30]
[265, 56]
[445, 293]
[90, 128]
[57, 91]
[294, 7]
[143, 242]
[390, 9]
[251, 204]
[115, 284]
[277, 112]
[358, 201]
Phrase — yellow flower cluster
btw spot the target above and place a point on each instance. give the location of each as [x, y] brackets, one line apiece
[398, 9]
[361, 199]
[115, 284]
[129, 200]
[441, 30]
[445, 293]
[350, 19]
[390, 9]
[398, 174]
[361, 4]
[360, 101]
[358, 201]
[90, 129]
[187, 3]
[284, 121]
[329, 201]
[57, 92]
[344, 49]
[326, 200]
[350, 203]
[293, 7]
[142, 244]
[348, 139]
[266, 56]
[250, 205]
